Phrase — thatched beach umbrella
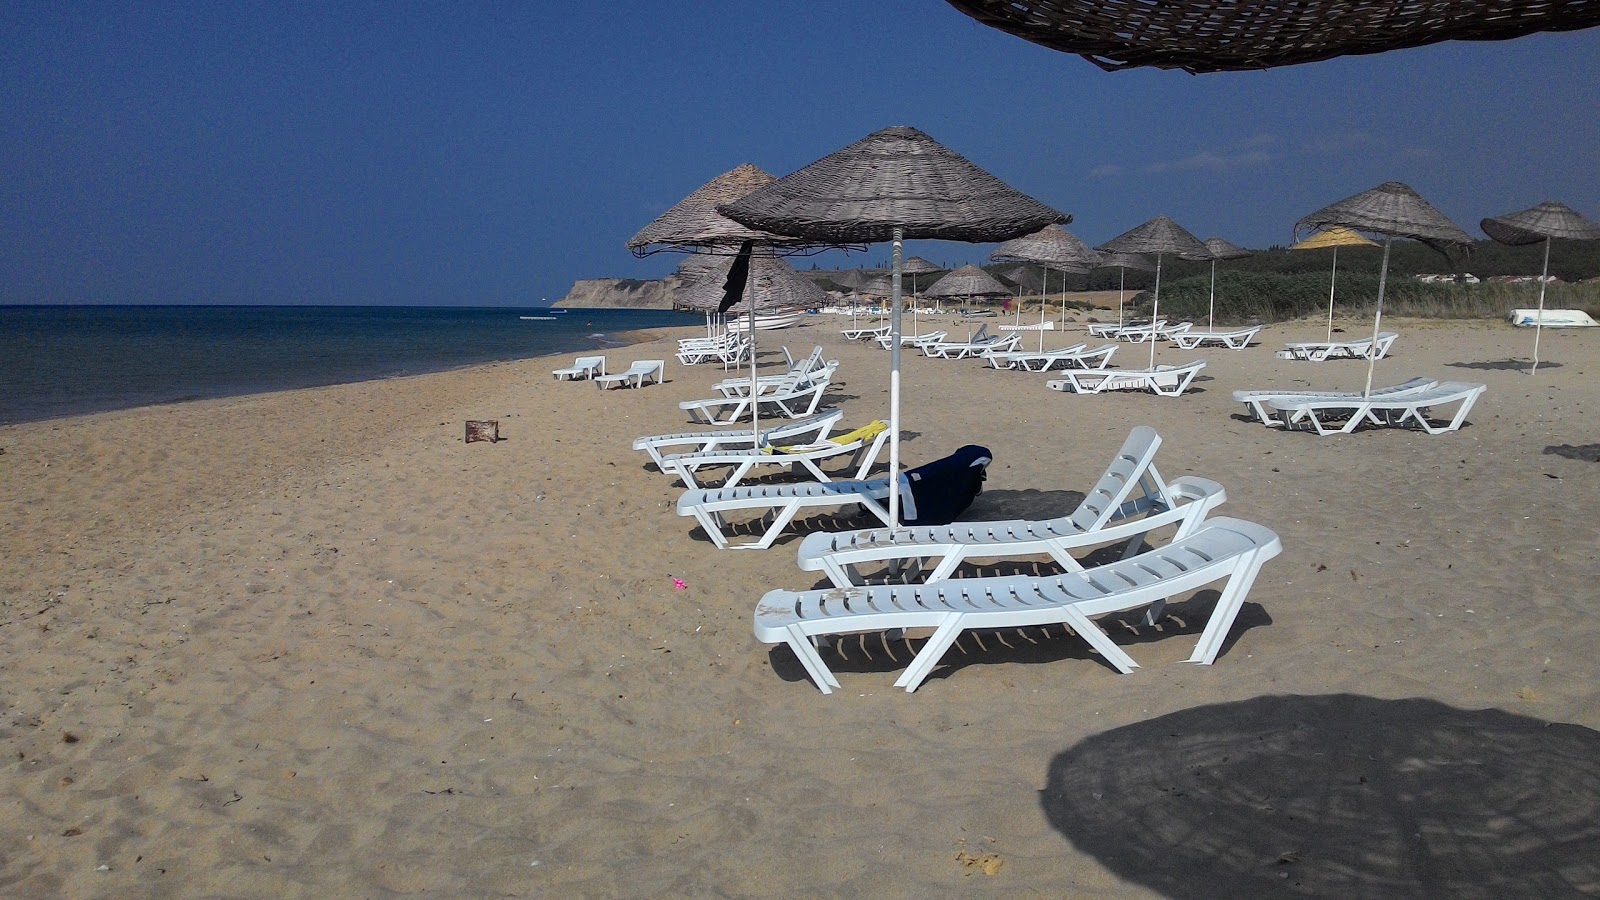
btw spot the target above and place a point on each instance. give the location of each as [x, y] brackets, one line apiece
[1160, 236]
[1122, 262]
[893, 184]
[1052, 247]
[693, 225]
[1541, 223]
[1393, 210]
[1227, 36]
[1220, 248]
[967, 282]
[916, 266]
[1334, 237]
[773, 285]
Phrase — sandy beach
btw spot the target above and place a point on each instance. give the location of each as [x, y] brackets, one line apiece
[313, 644]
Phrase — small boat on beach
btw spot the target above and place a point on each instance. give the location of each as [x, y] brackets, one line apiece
[765, 322]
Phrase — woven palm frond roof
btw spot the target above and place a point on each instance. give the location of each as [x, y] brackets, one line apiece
[773, 285]
[916, 265]
[1159, 235]
[1228, 35]
[967, 281]
[896, 177]
[1549, 219]
[693, 223]
[1222, 248]
[1391, 208]
[1125, 261]
[877, 286]
[1336, 236]
[1051, 246]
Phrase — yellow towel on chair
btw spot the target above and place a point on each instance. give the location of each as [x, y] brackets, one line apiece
[865, 433]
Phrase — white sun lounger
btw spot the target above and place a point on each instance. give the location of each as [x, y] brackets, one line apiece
[1317, 351]
[582, 367]
[862, 446]
[914, 340]
[1237, 339]
[866, 334]
[727, 349]
[1111, 329]
[1167, 381]
[799, 431]
[778, 505]
[637, 375]
[797, 402]
[1223, 549]
[1342, 416]
[1129, 501]
[1140, 334]
[798, 369]
[964, 349]
[1075, 357]
[1255, 402]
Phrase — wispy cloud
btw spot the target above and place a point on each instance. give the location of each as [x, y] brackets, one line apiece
[1252, 151]
[1108, 170]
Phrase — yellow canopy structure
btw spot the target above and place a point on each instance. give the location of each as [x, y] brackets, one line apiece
[1337, 236]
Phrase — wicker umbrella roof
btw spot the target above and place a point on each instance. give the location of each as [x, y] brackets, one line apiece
[1337, 236]
[1547, 220]
[1227, 35]
[967, 281]
[876, 286]
[1222, 248]
[694, 224]
[1051, 246]
[894, 178]
[1159, 235]
[1391, 208]
[773, 285]
[1125, 261]
[916, 265]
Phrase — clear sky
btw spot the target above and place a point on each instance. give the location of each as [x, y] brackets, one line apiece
[491, 153]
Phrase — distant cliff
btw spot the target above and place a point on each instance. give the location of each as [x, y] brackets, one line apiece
[628, 293]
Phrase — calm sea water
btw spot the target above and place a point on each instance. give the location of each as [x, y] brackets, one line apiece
[67, 360]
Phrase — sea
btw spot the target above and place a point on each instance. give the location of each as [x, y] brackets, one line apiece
[68, 360]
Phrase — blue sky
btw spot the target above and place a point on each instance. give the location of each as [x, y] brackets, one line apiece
[491, 153]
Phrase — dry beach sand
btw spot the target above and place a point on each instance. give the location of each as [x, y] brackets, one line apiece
[313, 644]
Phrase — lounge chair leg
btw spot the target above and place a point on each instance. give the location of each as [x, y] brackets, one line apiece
[803, 649]
[1228, 605]
[933, 651]
[1099, 640]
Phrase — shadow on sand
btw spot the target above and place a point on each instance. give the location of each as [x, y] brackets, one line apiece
[1337, 796]
[1580, 452]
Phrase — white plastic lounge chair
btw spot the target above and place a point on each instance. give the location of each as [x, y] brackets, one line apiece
[964, 349]
[799, 401]
[1318, 351]
[1167, 381]
[861, 445]
[582, 367]
[866, 334]
[1129, 501]
[777, 506]
[1222, 549]
[799, 431]
[915, 340]
[1342, 416]
[798, 369]
[1074, 357]
[639, 374]
[1238, 339]
[1140, 334]
[729, 349]
[1111, 329]
[1255, 402]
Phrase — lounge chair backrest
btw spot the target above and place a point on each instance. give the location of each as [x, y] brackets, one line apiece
[1128, 470]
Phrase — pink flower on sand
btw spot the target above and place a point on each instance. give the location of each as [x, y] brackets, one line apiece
[679, 585]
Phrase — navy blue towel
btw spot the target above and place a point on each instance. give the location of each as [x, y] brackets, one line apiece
[939, 492]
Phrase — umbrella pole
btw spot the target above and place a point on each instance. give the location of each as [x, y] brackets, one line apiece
[894, 388]
[1122, 280]
[1333, 280]
[1211, 312]
[755, 385]
[1042, 305]
[1155, 307]
[1538, 324]
[1377, 319]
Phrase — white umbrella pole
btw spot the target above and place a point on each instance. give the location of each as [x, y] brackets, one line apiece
[1155, 309]
[1122, 279]
[1377, 319]
[1333, 281]
[1538, 324]
[894, 388]
[755, 405]
[1044, 284]
[1211, 313]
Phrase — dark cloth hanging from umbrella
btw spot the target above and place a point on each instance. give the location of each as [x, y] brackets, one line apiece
[1227, 35]
[772, 285]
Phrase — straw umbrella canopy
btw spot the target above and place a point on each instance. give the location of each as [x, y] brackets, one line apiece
[1160, 236]
[1334, 237]
[1393, 210]
[894, 184]
[1226, 36]
[968, 281]
[1122, 262]
[1221, 248]
[774, 285]
[1052, 247]
[1548, 220]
